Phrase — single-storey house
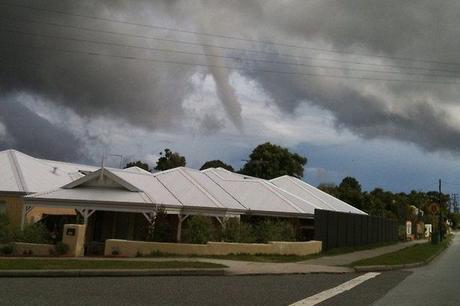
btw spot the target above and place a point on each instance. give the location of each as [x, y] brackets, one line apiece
[119, 203]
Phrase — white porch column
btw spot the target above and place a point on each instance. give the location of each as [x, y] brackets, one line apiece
[86, 213]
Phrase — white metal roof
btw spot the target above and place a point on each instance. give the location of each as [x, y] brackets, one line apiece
[305, 191]
[23, 173]
[214, 189]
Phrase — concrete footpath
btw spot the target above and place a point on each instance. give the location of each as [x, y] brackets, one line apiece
[325, 264]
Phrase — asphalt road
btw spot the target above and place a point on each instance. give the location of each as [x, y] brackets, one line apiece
[227, 290]
[435, 284]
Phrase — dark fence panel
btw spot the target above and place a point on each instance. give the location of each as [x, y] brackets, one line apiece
[338, 229]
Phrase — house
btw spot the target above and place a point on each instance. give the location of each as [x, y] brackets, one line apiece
[120, 203]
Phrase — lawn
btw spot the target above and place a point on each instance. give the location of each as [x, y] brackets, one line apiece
[413, 254]
[278, 258]
[67, 264]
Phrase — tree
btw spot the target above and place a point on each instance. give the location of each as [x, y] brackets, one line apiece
[139, 164]
[169, 160]
[268, 161]
[216, 164]
[350, 192]
[160, 229]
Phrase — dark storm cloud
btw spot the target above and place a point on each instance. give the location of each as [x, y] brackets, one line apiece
[33, 134]
[151, 95]
[141, 93]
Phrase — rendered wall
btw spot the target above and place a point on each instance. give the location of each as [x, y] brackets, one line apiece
[129, 248]
[13, 209]
[32, 249]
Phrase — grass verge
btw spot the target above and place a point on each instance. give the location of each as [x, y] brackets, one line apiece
[414, 254]
[64, 264]
[277, 258]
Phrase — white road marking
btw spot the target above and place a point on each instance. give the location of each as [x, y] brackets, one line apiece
[327, 294]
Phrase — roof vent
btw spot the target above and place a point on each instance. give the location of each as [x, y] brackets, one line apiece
[54, 170]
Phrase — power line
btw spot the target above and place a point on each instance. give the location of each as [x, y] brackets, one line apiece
[93, 53]
[224, 36]
[208, 54]
[54, 24]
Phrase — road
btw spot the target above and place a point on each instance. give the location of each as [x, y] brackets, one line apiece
[226, 290]
[436, 284]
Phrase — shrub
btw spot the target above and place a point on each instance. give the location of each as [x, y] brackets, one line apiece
[61, 248]
[34, 233]
[6, 234]
[269, 230]
[7, 249]
[198, 229]
[231, 231]
[238, 231]
[160, 229]
[247, 233]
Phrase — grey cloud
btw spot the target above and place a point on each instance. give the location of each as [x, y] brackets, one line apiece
[30, 133]
[151, 95]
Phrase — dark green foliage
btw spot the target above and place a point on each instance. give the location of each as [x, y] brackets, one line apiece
[379, 202]
[247, 233]
[6, 232]
[198, 229]
[160, 230]
[139, 164]
[169, 160]
[61, 248]
[216, 164]
[231, 231]
[270, 230]
[268, 161]
[261, 231]
[7, 249]
[34, 233]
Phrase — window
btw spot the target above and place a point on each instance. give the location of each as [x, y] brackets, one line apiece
[2, 207]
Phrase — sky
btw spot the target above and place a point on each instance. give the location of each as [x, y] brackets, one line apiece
[367, 89]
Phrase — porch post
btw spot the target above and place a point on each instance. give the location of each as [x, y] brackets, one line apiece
[86, 213]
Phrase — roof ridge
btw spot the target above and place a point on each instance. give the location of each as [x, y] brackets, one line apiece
[311, 193]
[17, 171]
[197, 184]
[293, 195]
[225, 190]
[263, 183]
[325, 193]
[170, 192]
[281, 196]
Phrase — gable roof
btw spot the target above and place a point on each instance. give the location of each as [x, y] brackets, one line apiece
[213, 189]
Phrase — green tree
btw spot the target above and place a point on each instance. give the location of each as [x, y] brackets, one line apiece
[160, 229]
[268, 161]
[216, 164]
[169, 160]
[350, 192]
[139, 164]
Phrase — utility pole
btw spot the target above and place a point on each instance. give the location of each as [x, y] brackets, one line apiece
[455, 202]
[440, 214]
